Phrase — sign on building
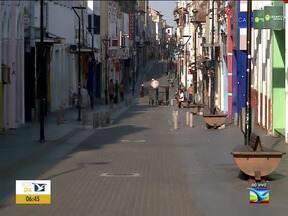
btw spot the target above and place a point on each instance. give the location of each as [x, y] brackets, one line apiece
[258, 19]
[273, 17]
[242, 19]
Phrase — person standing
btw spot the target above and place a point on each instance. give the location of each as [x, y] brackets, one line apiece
[190, 94]
[111, 92]
[116, 92]
[142, 90]
[89, 83]
[181, 98]
[121, 91]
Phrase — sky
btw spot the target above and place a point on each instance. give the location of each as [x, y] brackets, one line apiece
[166, 8]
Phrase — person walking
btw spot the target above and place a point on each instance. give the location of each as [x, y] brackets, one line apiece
[111, 92]
[121, 91]
[190, 94]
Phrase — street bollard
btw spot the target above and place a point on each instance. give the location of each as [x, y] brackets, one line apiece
[200, 112]
[96, 120]
[107, 117]
[187, 118]
[236, 123]
[103, 119]
[173, 102]
[175, 120]
[100, 119]
[191, 119]
[243, 118]
[84, 117]
[60, 115]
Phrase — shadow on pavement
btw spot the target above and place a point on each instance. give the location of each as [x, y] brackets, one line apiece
[38, 165]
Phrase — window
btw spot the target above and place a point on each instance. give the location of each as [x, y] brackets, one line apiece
[89, 23]
[96, 24]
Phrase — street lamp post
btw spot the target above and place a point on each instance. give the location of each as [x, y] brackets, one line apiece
[248, 120]
[105, 42]
[90, 30]
[186, 65]
[181, 64]
[79, 59]
[212, 75]
[195, 57]
[196, 25]
[42, 76]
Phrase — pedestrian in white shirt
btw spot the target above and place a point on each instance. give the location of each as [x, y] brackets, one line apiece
[181, 98]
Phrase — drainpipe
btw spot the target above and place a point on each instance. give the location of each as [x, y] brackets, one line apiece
[286, 73]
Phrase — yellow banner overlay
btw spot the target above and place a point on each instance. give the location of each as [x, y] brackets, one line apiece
[33, 199]
[33, 192]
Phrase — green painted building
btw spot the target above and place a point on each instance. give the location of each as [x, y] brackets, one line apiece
[278, 79]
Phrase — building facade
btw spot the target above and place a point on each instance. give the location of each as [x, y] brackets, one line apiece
[12, 64]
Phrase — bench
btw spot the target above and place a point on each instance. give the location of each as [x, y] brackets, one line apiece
[215, 120]
[195, 108]
[255, 160]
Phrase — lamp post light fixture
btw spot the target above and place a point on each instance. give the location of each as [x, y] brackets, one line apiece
[92, 39]
[42, 76]
[186, 51]
[181, 63]
[248, 122]
[79, 59]
[105, 42]
[197, 24]
[91, 31]
[212, 76]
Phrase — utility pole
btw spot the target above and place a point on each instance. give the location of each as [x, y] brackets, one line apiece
[42, 75]
[248, 120]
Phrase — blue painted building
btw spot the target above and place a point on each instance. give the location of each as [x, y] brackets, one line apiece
[239, 25]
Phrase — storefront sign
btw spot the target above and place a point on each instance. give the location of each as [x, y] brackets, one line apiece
[242, 19]
[258, 19]
[273, 17]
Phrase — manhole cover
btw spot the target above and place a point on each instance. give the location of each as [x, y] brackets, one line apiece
[125, 175]
[133, 141]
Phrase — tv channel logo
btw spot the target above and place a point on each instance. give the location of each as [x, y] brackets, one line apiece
[259, 194]
[33, 191]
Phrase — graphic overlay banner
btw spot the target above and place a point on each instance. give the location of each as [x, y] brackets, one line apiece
[33, 192]
[259, 193]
